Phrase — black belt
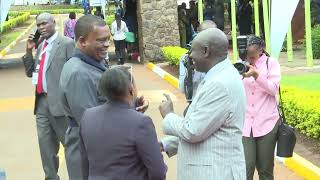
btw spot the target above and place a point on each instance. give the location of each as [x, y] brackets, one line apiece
[42, 94]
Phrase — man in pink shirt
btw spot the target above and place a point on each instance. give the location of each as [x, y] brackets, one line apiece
[261, 84]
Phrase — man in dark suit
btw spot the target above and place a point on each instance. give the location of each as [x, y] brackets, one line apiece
[45, 69]
[79, 80]
[116, 141]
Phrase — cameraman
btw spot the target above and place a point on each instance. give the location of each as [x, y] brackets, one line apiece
[261, 83]
[185, 67]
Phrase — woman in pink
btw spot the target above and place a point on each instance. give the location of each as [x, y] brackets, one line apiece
[261, 84]
[69, 25]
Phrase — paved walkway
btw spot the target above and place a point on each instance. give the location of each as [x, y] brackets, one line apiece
[19, 152]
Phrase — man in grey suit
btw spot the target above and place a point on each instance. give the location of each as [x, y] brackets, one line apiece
[208, 141]
[45, 71]
[79, 81]
[118, 142]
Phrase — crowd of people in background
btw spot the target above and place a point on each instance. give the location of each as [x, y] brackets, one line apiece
[124, 29]
[214, 10]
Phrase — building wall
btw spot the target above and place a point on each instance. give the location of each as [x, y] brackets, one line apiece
[158, 26]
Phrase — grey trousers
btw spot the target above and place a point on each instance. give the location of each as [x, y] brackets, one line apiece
[73, 155]
[51, 132]
[259, 153]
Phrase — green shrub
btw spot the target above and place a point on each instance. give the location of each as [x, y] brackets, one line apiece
[302, 110]
[109, 20]
[172, 54]
[315, 39]
[51, 11]
[14, 22]
[14, 14]
[58, 11]
[44, 7]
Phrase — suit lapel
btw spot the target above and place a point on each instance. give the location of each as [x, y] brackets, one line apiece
[53, 51]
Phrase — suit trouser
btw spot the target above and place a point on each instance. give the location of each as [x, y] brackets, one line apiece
[73, 155]
[183, 36]
[259, 153]
[51, 130]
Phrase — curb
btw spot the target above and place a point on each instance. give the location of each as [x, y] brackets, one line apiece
[296, 163]
[164, 75]
[6, 50]
[301, 166]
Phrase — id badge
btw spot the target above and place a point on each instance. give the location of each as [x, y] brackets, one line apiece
[35, 78]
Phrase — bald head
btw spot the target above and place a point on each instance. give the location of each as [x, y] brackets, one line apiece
[215, 40]
[46, 16]
[46, 25]
[209, 48]
[206, 25]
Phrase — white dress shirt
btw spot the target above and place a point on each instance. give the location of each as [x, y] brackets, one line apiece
[119, 35]
[47, 50]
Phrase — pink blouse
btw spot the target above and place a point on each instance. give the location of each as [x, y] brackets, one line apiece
[261, 112]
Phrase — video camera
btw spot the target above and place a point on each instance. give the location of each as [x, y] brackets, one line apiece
[242, 49]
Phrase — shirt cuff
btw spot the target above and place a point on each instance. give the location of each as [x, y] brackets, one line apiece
[164, 146]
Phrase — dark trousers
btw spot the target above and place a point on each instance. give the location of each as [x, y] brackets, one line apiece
[120, 47]
[259, 153]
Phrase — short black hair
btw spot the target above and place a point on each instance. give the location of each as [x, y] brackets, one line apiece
[86, 24]
[254, 40]
[115, 82]
[72, 15]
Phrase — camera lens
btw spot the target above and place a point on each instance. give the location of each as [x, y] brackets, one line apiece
[241, 67]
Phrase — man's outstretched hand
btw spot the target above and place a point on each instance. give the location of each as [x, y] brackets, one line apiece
[166, 106]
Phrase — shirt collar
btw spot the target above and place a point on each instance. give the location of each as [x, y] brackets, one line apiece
[52, 38]
[261, 59]
[215, 69]
[91, 61]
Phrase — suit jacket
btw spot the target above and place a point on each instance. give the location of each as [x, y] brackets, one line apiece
[79, 88]
[119, 143]
[61, 51]
[208, 141]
